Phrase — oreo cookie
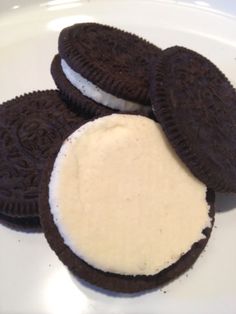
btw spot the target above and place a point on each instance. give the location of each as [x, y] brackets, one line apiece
[195, 104]
[106, 64]
[29, 126]
[55, 230]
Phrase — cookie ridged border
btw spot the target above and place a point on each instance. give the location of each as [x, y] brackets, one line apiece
[16, 209]
[110, 281]
[162, 112]
[102, 79]
[21, 223]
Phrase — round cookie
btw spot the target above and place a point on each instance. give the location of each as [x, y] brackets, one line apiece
[195, 104]
[106, 64]
[120, 229]
[30, 125]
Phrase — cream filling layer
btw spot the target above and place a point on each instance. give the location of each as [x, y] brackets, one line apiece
[95, 93]
[121, 198]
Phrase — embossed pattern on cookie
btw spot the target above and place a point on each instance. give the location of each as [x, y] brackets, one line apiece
[29, 126]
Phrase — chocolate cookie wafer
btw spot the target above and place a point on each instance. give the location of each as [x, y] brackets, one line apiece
[29, 127]
[109, 210]
[195, 104]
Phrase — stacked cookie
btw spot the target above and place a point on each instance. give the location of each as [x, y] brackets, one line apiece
[126, 203]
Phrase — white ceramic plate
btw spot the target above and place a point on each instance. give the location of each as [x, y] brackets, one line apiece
[32, 280]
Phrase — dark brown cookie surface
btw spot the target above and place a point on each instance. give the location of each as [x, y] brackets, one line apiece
[195, 104]
[29, 126]
[114, 60]
[105, 280]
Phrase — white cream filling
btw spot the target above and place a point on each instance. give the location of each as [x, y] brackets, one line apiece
[121, 198]
[92, 91]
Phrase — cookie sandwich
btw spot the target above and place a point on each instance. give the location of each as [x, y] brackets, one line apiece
[107, 65]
